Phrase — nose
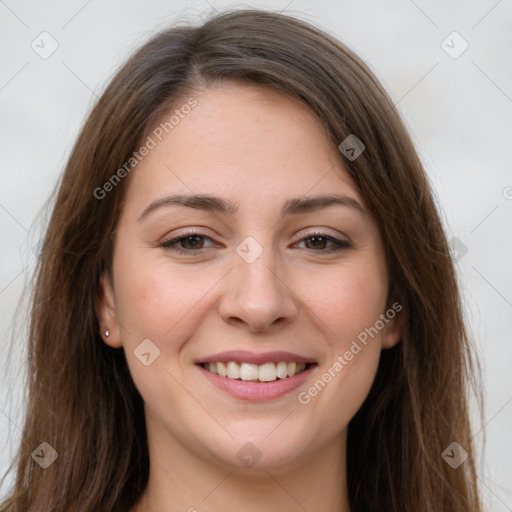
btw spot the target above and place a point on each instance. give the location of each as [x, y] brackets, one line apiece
[257, 295]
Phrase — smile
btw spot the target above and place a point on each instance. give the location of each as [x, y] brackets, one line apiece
[256, 377]
[267, 372]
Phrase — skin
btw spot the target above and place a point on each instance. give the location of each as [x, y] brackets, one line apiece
[256, 148]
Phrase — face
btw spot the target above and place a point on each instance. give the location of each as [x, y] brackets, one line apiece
[244, 248]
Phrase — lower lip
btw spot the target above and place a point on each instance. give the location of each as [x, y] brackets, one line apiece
[257, 391]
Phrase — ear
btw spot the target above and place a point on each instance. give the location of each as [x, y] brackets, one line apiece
[394, 328]
[106, 313]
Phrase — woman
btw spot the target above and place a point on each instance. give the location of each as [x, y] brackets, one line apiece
[245, 298]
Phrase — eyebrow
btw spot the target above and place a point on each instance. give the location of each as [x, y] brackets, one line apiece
[219, 205]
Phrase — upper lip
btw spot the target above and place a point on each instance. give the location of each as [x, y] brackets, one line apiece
[244, 356]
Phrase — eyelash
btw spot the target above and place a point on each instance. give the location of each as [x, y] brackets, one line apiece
[338, 246]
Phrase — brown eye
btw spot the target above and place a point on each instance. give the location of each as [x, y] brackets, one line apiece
[317, 242]
[193, 242]
[321, 242]
[186, 243]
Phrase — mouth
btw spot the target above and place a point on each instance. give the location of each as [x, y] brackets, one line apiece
[256, 377]
[250, 372]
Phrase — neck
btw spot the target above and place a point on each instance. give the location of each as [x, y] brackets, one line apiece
[185, 482]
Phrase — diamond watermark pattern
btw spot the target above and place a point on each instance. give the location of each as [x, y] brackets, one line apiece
[351, 147]
[44, 45]
[457, 248]
[249, 250]
[454, 45]
[454, 455]
[37, 248]
[147, 352]
[249, 455]
[44, 455]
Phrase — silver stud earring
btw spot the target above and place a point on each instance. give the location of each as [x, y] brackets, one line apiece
[107, 333]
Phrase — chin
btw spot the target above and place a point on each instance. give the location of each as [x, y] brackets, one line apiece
[265, 448]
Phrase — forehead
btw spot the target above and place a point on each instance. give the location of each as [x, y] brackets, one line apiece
[246, 140]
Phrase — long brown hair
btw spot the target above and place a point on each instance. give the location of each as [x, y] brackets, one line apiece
[82, 400]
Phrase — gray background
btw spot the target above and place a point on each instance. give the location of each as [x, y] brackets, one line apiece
[458, 108]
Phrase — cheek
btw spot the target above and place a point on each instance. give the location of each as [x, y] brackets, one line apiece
[149, 297]
[148, 302]
[349, 302]
[349, 299]
[349, 307]
[159, 300]
[154, 302]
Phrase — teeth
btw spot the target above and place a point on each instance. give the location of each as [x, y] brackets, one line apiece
[267, 372]
[282, 370]
[233, 370]
[222, 369]
[248, 371]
